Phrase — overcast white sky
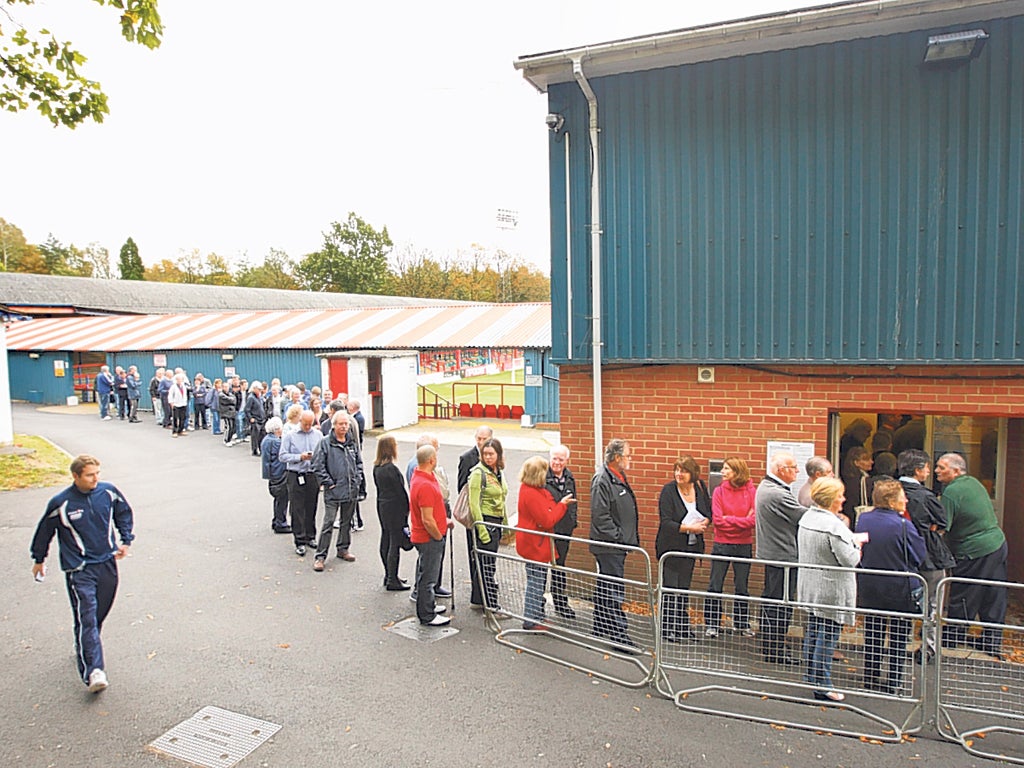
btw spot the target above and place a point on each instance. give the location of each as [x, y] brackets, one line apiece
[256, 123]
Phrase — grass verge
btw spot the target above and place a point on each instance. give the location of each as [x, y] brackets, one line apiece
[46, 466]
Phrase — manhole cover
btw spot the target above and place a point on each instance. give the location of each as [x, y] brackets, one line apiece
[412, 629]
[214, 738]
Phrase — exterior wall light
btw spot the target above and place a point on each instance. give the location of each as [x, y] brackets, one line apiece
[33, 355]
[227, 358]
[955, 47]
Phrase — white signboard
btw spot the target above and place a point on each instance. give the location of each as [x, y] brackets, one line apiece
[534, 380]
[801, 451]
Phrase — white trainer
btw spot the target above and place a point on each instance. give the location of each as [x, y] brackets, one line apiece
[440, 608]
[439, 621]
[97, 680]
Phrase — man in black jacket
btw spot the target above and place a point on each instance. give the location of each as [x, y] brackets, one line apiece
[467, 461]
[614, 519]
[561, 483]
[255, 416]
[929, 517]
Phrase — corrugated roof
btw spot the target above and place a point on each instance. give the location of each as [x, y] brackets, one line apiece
[422, 327]
[798, 28]
[53, 294]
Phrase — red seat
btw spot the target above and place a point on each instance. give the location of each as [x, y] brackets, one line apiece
[490, 411]
[477, 411]
[517, 411]
[504, 412]
[464, 409]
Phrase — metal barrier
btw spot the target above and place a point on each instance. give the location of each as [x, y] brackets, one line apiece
[979, 672]
[734, 659]
[580, 622]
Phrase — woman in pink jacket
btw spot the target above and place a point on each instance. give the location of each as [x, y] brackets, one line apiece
[537, 512]
[732, 512]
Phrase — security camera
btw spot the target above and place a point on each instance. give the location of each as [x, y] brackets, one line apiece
[554, 122]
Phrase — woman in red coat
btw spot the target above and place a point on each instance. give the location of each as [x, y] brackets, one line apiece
[537, 512]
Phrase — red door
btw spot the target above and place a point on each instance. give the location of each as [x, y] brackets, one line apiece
[337, 370]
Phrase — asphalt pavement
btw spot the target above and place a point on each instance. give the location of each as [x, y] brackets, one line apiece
[214, 609]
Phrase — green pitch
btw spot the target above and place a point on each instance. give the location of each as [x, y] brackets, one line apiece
[490, 392]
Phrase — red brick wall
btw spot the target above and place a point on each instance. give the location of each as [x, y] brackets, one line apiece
[664, 412]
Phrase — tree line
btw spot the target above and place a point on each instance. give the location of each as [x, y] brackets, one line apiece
[354, 257]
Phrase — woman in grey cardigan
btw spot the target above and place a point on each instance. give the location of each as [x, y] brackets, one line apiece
[825, 539]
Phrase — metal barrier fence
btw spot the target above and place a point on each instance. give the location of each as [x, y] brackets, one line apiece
[979, 671]
[736, 657]
[978, 696]
[594, 623]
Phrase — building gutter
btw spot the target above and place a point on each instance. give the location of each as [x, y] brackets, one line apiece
[759, 34]
[595, 256]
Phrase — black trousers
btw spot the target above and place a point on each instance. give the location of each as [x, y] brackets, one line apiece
[558, 596]
[677, 574]
[180, 419]
[775, 618]
[279, 492]
[987, 603]
[302, 499]
[256, 435]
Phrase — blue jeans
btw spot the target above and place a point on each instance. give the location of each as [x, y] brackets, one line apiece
[104, 403]
[819, 643]
[430, 555]
[215, 414]
[536, 578]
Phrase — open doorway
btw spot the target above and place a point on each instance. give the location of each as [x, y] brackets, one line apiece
[981, 440]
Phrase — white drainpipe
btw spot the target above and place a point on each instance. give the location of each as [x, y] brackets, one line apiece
[595, 256]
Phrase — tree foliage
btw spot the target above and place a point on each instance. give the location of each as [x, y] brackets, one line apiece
[353, 259]
[130, 263]
[36, 69]
[481, 275]
[16, 255]
[276, 271]
[165, 271]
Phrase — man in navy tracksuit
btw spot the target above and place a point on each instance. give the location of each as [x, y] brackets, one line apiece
[84, 516]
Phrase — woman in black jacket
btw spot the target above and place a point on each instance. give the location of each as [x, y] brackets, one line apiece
[684, 507]
[227, 406]
[392, 510]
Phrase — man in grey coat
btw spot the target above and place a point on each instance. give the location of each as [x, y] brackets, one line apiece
[613, 518]
[339, 469]
[778, 520]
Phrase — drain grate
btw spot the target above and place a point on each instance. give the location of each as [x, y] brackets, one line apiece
[214, 738]
[412, 629]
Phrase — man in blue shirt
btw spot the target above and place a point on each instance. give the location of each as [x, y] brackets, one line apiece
[84, 516]
[297, 449]
[104, 387]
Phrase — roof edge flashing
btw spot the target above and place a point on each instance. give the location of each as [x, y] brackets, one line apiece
[790, 29]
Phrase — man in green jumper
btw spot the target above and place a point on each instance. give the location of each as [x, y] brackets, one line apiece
[979, 547]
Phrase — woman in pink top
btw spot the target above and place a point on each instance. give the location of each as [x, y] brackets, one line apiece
[732, 512]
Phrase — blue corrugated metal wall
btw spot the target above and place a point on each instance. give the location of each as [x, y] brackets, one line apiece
[833, 203]
[33, 380]
[541, 403]
[253, 364]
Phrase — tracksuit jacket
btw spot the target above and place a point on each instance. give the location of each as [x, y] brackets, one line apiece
[85, 524]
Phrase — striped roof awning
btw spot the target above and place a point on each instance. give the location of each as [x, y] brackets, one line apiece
[426, 327]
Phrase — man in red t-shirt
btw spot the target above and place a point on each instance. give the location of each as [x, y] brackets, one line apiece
[428, 523]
